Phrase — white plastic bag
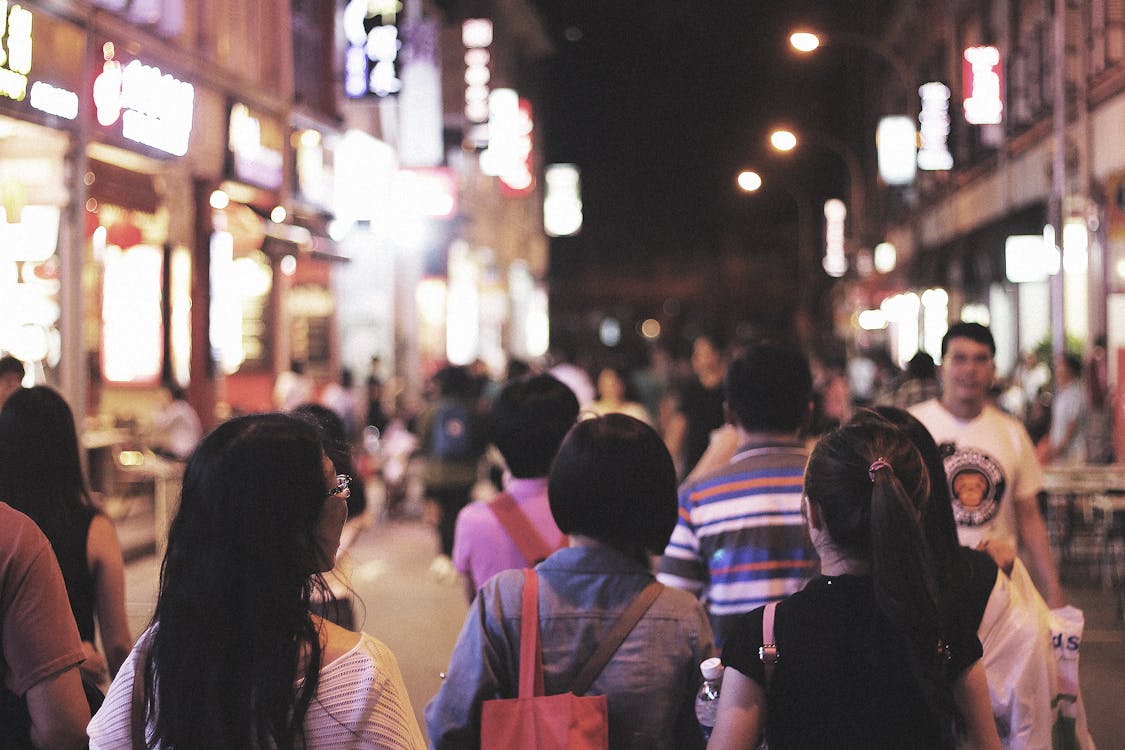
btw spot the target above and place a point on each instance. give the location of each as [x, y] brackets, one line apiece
[1016, 636]
[1069, 713]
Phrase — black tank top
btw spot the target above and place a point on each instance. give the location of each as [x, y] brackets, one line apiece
[69, 543]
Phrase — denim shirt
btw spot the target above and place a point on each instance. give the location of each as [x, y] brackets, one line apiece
[650, 683]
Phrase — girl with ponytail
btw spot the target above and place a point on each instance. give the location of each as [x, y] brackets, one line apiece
[863, 659]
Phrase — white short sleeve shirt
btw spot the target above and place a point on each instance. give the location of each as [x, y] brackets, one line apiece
[989, 462]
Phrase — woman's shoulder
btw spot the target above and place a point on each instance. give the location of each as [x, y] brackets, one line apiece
[336, 642]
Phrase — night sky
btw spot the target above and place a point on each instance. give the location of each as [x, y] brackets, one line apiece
[660, 103]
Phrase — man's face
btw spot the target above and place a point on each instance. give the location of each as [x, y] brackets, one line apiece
[967, 372]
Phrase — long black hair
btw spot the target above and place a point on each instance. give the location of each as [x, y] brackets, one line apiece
[40, 470]
[232, 633]
[871, 487]
[938, 524]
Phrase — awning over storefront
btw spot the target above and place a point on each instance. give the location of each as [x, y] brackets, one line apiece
[300, 234]
[976, 259]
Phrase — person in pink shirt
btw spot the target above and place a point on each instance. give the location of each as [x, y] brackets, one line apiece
[528, 421]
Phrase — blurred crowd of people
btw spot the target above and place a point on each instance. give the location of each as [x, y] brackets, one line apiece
[743, 490]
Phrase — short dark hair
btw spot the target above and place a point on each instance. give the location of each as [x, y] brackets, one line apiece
[529, 419]
[12, 365]
[768, 388]
[454, 381]
[1073, 363]
[972, 331]
[921, 366]
[613, 480]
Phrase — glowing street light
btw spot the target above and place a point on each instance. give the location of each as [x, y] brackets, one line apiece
[749, 180]
[783, 140]
[804, 41]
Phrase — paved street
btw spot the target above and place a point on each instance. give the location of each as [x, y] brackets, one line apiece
[419, 618]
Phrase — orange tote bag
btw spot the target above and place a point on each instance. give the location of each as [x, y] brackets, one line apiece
[569, 720]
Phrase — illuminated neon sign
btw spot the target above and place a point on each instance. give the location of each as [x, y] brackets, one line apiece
[982, 78]
[255, 161]
[933, 127]
[476, 36]
[371, 63]
[15, 50]
[54, 100]
[154, 108]
[835, 262]
[509, 153]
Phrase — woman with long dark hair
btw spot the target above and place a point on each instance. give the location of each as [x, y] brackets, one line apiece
[978, 597]
[41, 476]
[864, 658]
[234, 658]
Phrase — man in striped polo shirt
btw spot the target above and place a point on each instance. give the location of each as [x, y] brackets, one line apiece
[740, 541]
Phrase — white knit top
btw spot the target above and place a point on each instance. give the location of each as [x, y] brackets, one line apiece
[361, 702]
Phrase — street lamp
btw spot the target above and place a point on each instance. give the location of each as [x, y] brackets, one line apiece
[785, 141]
[806, 41]
[750, 181]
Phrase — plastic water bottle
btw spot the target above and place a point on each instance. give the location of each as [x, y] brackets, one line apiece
[707, 699]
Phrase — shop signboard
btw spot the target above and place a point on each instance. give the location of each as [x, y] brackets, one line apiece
[420, 140]
[255, 148]
[143, 104]
[371, 59]
[15, 54]
[510, 148]
[37, 71]
[982, 78]
[476, 36]
[315, 171]
[896, 141]
[933, 127]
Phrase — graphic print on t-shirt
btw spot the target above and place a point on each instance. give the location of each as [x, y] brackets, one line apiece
[976, 484]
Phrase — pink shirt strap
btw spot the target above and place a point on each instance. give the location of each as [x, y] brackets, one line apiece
[768, 652]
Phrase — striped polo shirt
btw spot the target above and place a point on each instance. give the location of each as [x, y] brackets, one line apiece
[740, 540]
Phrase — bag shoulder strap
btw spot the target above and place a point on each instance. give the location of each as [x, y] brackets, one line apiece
[531, 650]
[527, 539]
[137, 707]
[768, 652]
[615, 637]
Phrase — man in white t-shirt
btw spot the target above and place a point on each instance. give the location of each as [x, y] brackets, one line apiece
[994, 475]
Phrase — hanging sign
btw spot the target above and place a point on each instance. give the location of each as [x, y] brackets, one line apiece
[154, 108]
[983, 82]
[371, 64]
[933, 127]
[15, 50]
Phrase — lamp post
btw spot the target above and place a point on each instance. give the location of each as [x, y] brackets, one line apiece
[750, 181]
[786, 140]
[806, 41]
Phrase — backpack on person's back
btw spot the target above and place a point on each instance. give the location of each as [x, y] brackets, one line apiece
[453, 435]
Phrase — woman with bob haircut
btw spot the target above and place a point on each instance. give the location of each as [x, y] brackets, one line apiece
[612, 488]
[41, 475]
[864, 656]
[234, 658]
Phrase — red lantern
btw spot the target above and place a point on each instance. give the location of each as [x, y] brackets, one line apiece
[123, 235]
